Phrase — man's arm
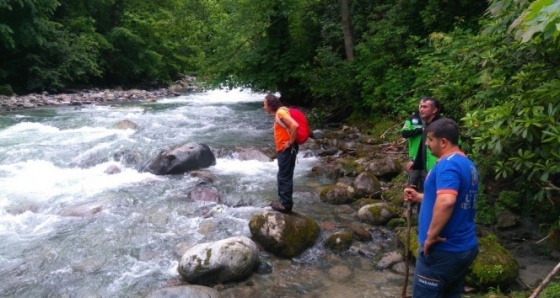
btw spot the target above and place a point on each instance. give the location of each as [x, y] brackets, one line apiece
[292, 127]
[409, 133]
[443, 209]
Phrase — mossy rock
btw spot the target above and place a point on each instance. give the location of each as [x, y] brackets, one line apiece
[396, 222]
[414, 248]
[339, 241]
[493, 267]
[359, 203]
[367, 185]
[337, 194]
[377, 214]
[285, 235]
[394, 195]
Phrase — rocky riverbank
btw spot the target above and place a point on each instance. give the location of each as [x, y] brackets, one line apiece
[79, 98]
[96, 96]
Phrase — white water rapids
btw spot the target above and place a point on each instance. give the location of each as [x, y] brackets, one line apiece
[69, 229]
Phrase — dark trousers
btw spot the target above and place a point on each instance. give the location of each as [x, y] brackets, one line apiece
[442, 274]
[285, 177]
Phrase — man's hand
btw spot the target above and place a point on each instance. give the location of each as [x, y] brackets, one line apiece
[409, 166]
[287, 145]
[431, 241]
[411, 195]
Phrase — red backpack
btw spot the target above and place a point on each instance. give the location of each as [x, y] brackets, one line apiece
[303, 131]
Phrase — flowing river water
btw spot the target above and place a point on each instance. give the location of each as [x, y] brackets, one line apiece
[67, 228]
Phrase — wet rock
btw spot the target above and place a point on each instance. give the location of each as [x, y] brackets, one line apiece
[360, 232]
[338, 194]
[88, 265]
[389, 259]
[78, 99]
[382, 167]
[376, 214]
[204, 194]
[339, 241]
[264, 267]
[184, 291]
[82, 210]
[318, 134]
[251, 154]
[126, 124]
[400, 267]
[222, 261]
[367, 185]
[340, 273]
[128, 157]
[284, 235]
[112, 169]
[181, 159]
[506, 219]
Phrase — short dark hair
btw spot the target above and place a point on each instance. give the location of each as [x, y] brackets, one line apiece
[273, 102]
[434, 101]
[445, 128]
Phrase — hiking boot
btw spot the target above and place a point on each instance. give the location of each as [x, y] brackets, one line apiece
[277, 206]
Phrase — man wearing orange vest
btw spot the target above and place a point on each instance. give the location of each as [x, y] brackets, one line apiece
[285, 131]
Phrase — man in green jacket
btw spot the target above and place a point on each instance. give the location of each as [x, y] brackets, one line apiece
[412, 130]
[424, 161]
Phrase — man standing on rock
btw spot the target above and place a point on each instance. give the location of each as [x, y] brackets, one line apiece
[285, 131]
[446, 228]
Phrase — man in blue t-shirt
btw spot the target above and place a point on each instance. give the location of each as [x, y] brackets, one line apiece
[446, 228]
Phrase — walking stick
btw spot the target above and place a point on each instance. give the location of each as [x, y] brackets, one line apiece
[408, 212]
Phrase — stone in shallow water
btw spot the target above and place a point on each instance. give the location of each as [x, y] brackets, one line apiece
[184, 291]
[340, 273]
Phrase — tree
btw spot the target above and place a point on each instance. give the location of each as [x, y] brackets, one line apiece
[347, 29]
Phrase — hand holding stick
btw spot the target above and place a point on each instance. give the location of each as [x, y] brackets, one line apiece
[408, 212]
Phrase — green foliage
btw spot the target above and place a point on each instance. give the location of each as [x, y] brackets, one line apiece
[552, 290]
[510, 200]
[506, 93]
[6, 89]
[50, 45]
[485, 212]
[542, 17]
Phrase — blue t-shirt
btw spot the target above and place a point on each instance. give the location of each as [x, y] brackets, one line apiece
[456, 174]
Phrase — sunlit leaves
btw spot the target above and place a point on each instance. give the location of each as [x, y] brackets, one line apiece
[542, 16]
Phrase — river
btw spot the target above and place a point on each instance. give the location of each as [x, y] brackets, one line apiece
[67, 228]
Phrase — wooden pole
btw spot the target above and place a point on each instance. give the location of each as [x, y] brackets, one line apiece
[543, 284]
[407, 249]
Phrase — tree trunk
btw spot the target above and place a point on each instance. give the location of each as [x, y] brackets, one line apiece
[347, 29]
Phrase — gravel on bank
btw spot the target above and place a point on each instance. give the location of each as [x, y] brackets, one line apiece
[85, 97]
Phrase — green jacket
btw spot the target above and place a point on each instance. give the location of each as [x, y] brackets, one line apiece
[424, 160]
[412, 130]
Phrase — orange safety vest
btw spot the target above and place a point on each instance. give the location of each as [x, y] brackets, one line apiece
[281, 134]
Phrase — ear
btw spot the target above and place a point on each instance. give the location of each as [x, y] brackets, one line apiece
[444, 142]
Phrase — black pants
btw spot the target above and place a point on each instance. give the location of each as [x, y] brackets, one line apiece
[285, 177]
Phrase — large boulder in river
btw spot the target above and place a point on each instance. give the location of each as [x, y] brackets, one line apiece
[181, 159]
[222, 261]
[284, 235]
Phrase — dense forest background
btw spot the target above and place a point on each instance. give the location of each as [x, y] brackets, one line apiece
[495, 65]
